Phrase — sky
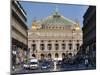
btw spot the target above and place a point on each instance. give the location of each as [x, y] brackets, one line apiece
[42, 10]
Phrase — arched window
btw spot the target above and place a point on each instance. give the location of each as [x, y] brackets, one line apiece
[49, 55]
[63, 55]
[42, 56]
[33, 55]
[56, 55]
[70, 55]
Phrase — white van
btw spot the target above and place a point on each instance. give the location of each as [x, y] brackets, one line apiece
[33, 63]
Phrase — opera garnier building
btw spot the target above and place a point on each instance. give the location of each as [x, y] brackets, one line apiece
[54, 37]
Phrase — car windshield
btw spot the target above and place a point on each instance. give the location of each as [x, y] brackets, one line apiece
[45, 63]
[33, 62]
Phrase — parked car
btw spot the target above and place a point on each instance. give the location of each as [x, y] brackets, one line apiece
[45, 65]
[26, 66]
[33, 64]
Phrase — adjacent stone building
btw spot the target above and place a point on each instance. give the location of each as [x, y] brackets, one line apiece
[89, 35]
[19, 34]
[54, 37]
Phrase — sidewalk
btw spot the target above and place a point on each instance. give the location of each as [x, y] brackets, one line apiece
[17, 69]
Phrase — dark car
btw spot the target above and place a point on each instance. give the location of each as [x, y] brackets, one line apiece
[45, 65]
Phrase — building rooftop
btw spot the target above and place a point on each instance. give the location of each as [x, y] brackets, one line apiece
[57, 19]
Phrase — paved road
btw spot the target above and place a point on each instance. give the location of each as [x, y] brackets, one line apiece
[22, 70]
[75, 67]
[59, 68]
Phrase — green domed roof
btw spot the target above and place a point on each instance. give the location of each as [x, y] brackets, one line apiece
[57, 19]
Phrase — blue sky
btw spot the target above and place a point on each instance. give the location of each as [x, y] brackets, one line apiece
[42, 10]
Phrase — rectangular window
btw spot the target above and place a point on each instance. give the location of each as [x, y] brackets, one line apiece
[49, 46]
[63, 46]
[70, 46]
[56, 46]
[34, 47]
[42, 46]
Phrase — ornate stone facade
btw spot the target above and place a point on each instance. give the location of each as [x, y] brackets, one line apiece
[54, 37]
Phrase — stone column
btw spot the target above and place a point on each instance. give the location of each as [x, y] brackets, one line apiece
[45, 44]
[53, 45]
[60, 45]
[73, 49]
[37, 48]
[67, 48]
[53, 49]
[30, 46]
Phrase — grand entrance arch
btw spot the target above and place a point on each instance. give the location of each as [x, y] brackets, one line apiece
[42, 56]
[69, 55]
[56, 55]
[63, 55]
[49, 56]
[33, 55]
